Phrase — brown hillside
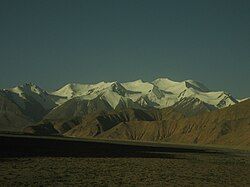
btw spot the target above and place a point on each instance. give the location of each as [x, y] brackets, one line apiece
[94, 124]
[229, 126]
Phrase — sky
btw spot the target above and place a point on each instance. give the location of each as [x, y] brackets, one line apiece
[55, 42]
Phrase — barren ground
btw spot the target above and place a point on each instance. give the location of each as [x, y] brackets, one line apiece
[173, 169]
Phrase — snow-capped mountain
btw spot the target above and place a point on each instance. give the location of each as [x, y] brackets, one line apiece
[76, 100]
[31, 92]
[160, 93]
[31, 99]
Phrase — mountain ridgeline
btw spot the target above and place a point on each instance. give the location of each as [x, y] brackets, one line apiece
[227, 126]
[161, 110]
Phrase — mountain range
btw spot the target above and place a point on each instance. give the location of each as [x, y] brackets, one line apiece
[82, 109]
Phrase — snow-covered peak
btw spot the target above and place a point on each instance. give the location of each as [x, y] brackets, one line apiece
[120, 89]
[138, 81]
[162, 92]
[138, 86]
[69, 90]
[164, 83]
[27, 88]
[218, 99]
[30, 93]
[178, 87]
[196, 85]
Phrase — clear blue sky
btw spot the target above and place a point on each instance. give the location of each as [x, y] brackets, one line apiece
[51, 43]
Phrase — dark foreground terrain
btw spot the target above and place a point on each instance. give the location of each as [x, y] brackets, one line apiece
[36, 161]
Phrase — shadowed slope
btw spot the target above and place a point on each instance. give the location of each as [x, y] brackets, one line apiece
[95, 124]
[11, 116]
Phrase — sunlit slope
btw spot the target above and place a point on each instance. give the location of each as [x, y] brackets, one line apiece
[228, 126]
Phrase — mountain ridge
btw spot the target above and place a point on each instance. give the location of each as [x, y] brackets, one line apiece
[74, 99]
[164, 92]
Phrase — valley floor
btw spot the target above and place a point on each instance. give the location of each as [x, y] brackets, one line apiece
[172, 169]
[58, 161]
